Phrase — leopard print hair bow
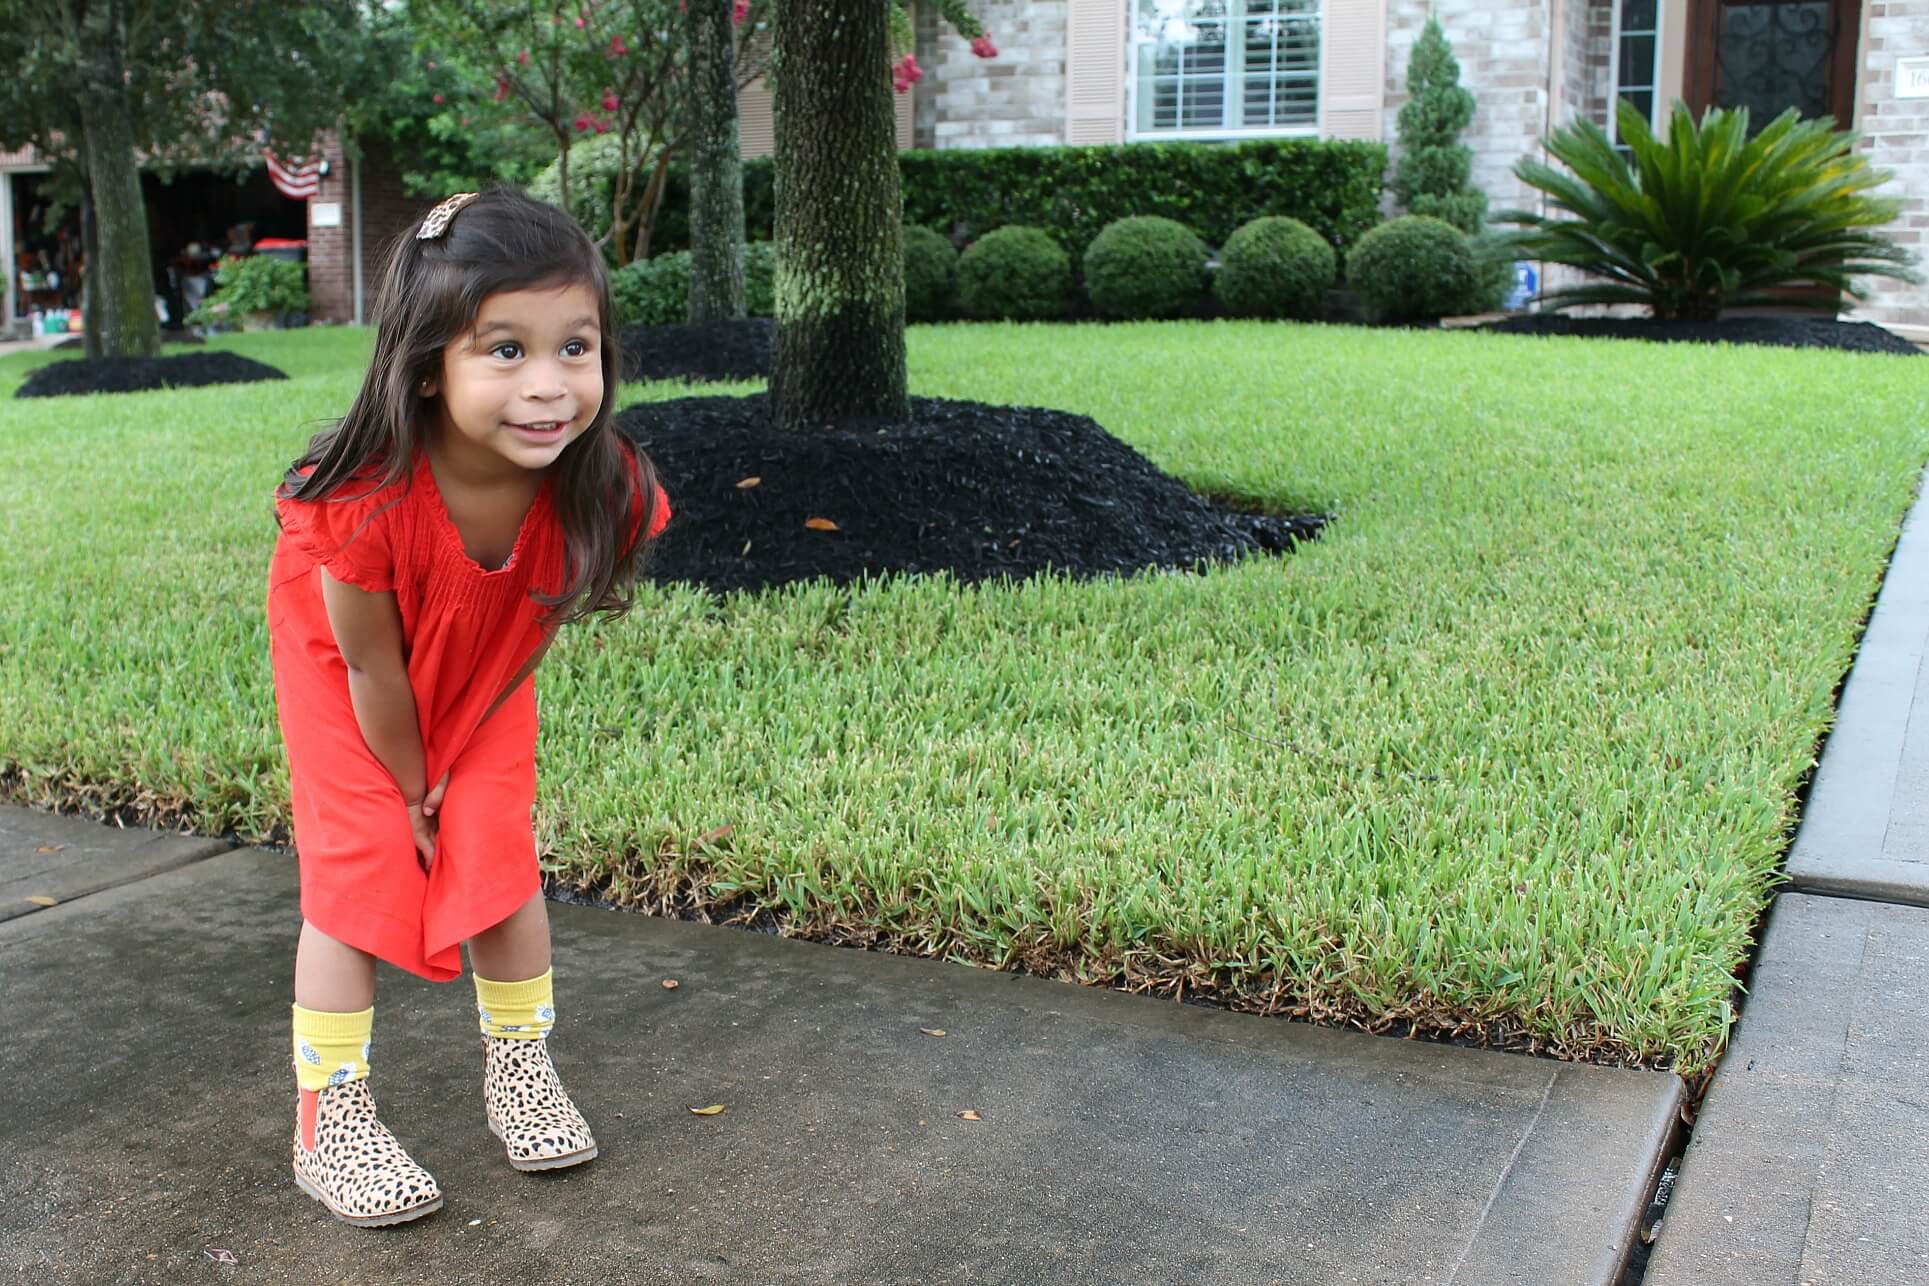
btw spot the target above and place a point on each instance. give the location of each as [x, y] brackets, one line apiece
[436, 222]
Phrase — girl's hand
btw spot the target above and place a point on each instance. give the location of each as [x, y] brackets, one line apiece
[423, 829]
[433, 800]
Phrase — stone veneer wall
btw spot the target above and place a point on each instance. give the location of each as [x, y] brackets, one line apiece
[1503, 47]
[1895, 136]
[1014, 100]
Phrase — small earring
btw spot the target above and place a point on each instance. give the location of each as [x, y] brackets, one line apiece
[423, 388]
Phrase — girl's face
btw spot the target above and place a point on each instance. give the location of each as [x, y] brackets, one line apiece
[525, 381]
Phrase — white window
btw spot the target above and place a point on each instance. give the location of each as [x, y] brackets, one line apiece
[1225, 68]
[1637, 46]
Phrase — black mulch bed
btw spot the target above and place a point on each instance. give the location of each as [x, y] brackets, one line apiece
[1776, 332]
[705, 351]
[136, 374]
[978, 491]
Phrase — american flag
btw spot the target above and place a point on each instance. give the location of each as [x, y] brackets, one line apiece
[298, 180]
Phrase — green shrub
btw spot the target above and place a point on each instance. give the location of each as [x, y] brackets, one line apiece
[652, 292]
[1146, 267]
[656, 292]
[930, 274]
[1017, 273]
[1711, 218]
[759, 279]
[1275, 267]
[1414, 268]
[247, 284]
[1073, 192]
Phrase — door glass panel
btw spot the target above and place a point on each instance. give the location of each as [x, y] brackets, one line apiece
[1772, 56]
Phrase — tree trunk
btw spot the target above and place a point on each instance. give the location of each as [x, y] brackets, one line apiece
[124, 267]
[716, 167]
[90, 273]
[840, 239]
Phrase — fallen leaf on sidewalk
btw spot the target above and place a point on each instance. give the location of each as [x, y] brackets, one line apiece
[712, 836]
[749, 482]
[50, 848]
[932, 1031]
[820, 524]
[42, 900]
[712, 1110]
[969, 1115]
[669, 984]
[220, 1256]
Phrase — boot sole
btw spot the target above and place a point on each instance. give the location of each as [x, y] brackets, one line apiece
[548, 1163]
[428, 1207]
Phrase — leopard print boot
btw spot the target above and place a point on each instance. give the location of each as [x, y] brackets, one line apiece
[348, 1160]
[528, 1108]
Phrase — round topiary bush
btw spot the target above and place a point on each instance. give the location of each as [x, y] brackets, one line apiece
[930, 273]
[1414, 268]
[1146, 267]
[1016, 272]
[1275, 267]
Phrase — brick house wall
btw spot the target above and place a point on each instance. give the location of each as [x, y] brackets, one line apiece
[386, 211]
[1014, 100]
[1895, 137]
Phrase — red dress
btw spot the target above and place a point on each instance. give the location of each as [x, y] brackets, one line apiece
[465, 634]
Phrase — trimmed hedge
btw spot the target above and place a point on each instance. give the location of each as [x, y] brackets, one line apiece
[1146, 267]
[1014, 273]
[1414, 268]
[930, 274]
[1275, 267]
[1073, 192]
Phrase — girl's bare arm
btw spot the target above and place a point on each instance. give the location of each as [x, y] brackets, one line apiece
[368, 630]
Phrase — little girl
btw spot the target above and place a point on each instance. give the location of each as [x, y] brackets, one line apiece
[473, 500]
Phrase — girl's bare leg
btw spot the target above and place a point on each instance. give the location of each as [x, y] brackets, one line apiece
[516, 949]
[331, 976]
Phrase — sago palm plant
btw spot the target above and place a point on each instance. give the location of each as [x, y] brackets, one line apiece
[1709, 218]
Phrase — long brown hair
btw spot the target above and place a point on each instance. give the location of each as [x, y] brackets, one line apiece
[430, 293]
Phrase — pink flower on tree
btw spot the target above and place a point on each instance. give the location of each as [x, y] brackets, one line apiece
[610, 102]
[601, 125]
[617, 47]
[583, 123]
[739, 11]
[522, 59]
[580, 24]
[901, 85]
[502, 88]
[983, 47]
[438, 100]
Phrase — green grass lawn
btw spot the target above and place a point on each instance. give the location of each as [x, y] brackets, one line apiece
[1514, 746]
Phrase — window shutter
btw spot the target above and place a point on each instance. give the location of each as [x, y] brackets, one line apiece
[1353, 80]
[756, 120]
[1095, 71]
[905, 105]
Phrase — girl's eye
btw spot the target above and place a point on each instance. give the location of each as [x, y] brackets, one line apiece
[576, 348]
[508, 351]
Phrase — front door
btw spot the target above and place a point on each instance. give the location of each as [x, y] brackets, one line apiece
[1771, 55]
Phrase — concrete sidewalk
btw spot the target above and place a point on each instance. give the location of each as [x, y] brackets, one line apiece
[1122, 1138]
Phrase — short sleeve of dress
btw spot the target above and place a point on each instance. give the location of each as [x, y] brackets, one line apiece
[350, 536]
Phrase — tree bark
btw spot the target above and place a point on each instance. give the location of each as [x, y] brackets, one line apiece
[124, 267]
[90, 275]
[840, 238]
[716, 167]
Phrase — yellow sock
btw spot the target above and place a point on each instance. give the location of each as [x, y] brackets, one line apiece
[517, 1010]
[331, 1049]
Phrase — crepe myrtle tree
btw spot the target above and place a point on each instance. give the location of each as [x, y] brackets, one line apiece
[582, 69]
[840, 253]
